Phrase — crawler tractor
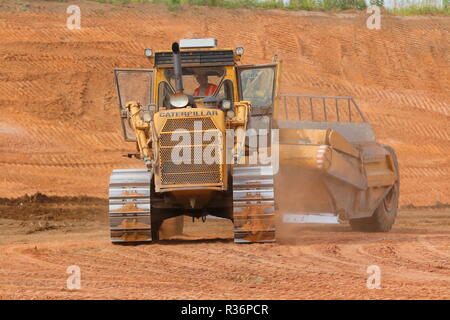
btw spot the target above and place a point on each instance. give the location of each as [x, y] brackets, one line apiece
[217, 139]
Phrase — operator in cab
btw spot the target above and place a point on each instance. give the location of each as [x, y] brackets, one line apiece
[205, 88]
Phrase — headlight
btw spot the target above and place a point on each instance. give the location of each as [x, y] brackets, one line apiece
[230, 114]
[226, 104]
[239, 51]
[179, 100]
[148, 52]
[146, 116]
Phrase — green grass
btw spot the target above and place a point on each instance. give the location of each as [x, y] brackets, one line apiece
[269, 4]
[322, 5]
[422, 10]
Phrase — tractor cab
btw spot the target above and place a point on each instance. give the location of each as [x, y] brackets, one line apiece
[197, 74]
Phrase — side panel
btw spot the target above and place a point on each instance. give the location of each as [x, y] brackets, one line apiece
[132, 85]
[329, 175]
[352, 132]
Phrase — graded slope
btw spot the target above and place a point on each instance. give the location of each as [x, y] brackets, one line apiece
[60, 132]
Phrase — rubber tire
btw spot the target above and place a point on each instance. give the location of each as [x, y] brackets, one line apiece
[384, 216]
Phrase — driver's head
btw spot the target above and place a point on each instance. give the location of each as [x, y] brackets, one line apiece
[202, 79]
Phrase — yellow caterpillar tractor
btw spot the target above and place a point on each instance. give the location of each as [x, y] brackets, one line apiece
[216, 139]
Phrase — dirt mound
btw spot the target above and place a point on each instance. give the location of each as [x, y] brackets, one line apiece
[60, 134]
[43, 198]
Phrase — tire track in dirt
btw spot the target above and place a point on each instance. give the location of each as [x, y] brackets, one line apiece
[309, 270]
[324, 262]
[398, 260]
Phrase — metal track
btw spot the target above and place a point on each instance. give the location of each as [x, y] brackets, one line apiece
[129, 205]
[253, 204]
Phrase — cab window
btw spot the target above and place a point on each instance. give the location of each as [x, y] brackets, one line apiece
[257, 86]
[198, 81]
[164, 92]
[226, 91]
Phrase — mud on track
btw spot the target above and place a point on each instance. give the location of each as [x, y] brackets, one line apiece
[322, 262]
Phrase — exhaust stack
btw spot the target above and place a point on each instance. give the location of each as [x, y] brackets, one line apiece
[177, 68]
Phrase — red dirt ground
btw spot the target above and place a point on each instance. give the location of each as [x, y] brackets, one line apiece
[320, 262]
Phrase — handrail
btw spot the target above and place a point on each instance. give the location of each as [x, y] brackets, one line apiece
[313, 109]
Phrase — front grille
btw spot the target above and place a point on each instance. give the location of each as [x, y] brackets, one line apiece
[197, 178]
[190, 58]
[188, 138]
[189, 124]
[190, 160]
